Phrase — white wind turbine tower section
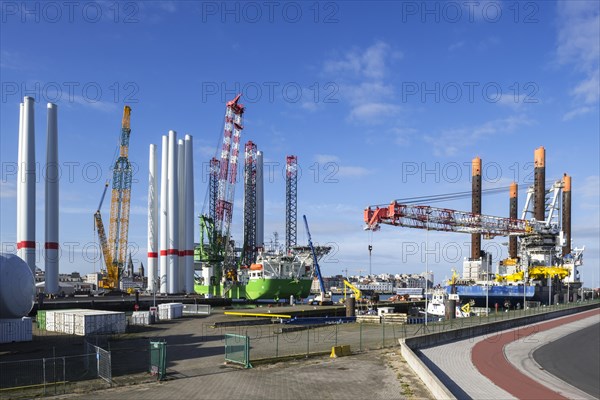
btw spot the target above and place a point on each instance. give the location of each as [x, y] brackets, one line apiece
[52, 177]
[20, 176]
[181, 208]
[164, 208]
[27, 178]
[189, 214]
[152, 220]
[173, 218]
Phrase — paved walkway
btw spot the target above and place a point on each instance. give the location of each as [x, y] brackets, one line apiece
[451, 363]
[476, 368]
[370, 375]
[488, 356]
[520, 354]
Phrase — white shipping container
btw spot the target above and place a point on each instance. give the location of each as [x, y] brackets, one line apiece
[94, 322]
[140, 318]
[55, 320]
[16, 330]
[85, 322]
[170, 310]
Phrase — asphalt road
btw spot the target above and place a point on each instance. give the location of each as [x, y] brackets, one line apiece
[575, 359]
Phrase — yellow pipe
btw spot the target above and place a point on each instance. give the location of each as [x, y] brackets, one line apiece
[243, 314]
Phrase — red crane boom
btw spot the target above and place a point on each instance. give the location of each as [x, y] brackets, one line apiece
[447, 220]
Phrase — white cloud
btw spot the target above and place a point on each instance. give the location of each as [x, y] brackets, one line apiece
[96, 105]
[577, 112]
[361, 78]
[352, 172]
[588, 90]
[169, 6]
[456, 45]
[590, 189]
[366, 102]
[8, 190]
[77, 210]
[373, 113]
[325, 158]
[343, 171]
[366, 91]
[450, 141]
[12, 60]
[309, 105]
[402, 135]
[515, 102]
[578, 45]
[370, 63]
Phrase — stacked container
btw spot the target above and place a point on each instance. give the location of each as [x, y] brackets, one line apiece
[15, 330]
[94, 322]
[55, 321]
[140, 318]
[85, 322]
[170, 311]
[41, 320]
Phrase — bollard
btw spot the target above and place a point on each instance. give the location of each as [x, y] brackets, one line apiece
[350, 307]
[360, 337]
[451, 309]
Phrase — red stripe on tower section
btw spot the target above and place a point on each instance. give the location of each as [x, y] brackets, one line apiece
[188, 252]
[181, 253]
[171, 252]
[163, 253]
[152, 254]
[51, 245]
[26, 244]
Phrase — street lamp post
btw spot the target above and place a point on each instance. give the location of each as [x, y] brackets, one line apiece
[426, 262]
[549, 291]
[156, 282]
[525, 278]
[487, 278]
[370, 249]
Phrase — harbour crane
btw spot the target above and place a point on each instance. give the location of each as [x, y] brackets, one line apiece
[228, 166]
[357, 292]
[323, 297]
[218, 255]
[447, 220]
[114, 250]
[537, 236]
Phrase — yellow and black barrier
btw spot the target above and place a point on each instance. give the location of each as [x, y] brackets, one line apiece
[340, 351]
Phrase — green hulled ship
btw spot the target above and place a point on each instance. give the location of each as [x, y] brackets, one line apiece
[273, 276]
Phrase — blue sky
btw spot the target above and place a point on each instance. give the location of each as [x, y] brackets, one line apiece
[378, 100]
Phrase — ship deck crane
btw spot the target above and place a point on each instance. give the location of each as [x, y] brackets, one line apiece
[219, 252]
[227, 177]
[323, 297]
[448, 220]
[354, 289]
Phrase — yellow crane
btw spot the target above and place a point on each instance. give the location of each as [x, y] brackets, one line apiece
[114, 249]
[355, 290]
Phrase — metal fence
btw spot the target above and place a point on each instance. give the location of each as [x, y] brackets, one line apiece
[46, 376]
[103, 361]
[237, 349]
[281, 341]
